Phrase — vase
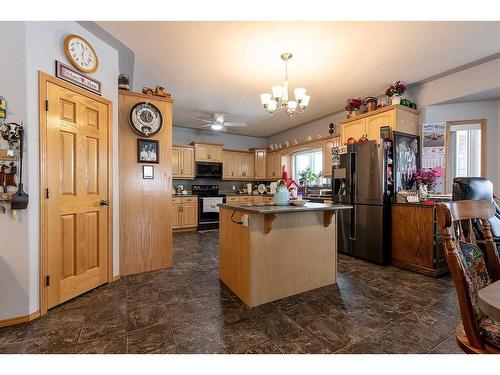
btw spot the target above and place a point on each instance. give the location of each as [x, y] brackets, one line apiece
[395, 99]
[423, 192]
[281, 196]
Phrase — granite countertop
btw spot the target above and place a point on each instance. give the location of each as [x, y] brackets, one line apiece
[231, 194]
[184, 195]
[266, 208]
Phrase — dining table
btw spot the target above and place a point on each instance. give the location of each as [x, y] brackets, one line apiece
[489, 300]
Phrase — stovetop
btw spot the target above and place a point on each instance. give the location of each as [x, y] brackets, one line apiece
[206, 190]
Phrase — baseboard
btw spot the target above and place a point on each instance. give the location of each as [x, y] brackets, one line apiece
[116, 278]
[19, 319]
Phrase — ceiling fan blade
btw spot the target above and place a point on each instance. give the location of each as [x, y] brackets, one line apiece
[235, 124]
[202, 119]
[206, 125]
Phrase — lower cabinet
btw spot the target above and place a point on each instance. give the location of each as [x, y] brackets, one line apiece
[249, 198]
[184, 212]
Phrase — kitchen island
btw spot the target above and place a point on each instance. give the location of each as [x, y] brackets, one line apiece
[268, 252]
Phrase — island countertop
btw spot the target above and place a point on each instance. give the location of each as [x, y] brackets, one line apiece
[269, 208]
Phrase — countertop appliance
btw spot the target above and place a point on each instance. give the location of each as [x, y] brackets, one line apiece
[363, 177]
[208, 211]
[208, 170]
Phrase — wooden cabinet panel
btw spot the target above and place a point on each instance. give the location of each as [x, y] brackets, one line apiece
[237, 161]
[260, 164]
[247, 170]
[227, 164]
[354, 129]
[176, 161]
[187, 169]
[176, 216]
[215, 153]
[406, 122]
[202, 152]
[189, 215]
[274, 165]
[373, 123]
[327, 155]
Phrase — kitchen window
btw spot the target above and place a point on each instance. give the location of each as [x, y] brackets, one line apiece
[465, 152]
[309, 159]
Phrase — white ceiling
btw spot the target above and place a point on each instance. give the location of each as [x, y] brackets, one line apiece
[224, 66]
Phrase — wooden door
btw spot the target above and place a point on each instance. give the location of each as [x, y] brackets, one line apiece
[373, 124]
[202, 152]
[176, 161]
[260, 164]
[176, 216]
[77, 181]
[189, 215]
[237, 164]
[216, 153]
[187, 169]
[227, 164]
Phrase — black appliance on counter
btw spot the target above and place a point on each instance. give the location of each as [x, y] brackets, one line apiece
[362, 175]
[208, 211]
[208, 170]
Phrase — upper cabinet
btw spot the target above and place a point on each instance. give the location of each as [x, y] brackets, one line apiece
[273, 167]
[397, 117]
[183, 162]
[207, 152]
[260, 163]
[237, 165]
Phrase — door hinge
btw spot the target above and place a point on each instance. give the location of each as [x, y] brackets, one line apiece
[47, 195]
[46, 106]
[47, 280]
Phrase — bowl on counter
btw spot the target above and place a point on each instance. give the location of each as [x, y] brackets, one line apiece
[297, 202]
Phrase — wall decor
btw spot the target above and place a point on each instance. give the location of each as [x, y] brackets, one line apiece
[370, 103]
[3, 109]
[77, 78]
[434, 150]
[145, 119]
[148, 151]
[148, 172]
[395, 91]
[123, 82]
[80, 54]
[331, 128]
[385, 132]
[157, 91]
[406, 159]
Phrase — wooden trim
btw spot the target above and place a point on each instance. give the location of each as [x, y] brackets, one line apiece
[43, 80]
[327, 218]
[19, 319]
[380, 110]
[144, 96]
[432, 272]
[206, 143]
[482, 123]
[116, 278]
[268, 222]
[184, 146]
[240, 151]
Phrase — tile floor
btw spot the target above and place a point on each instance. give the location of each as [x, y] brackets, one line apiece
[186, 309]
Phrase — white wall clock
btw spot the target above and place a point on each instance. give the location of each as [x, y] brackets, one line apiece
[81, 54]
[145, 119]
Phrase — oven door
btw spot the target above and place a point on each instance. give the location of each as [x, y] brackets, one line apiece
[208, 210]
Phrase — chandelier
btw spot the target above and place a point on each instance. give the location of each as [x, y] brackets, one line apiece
[278, 100]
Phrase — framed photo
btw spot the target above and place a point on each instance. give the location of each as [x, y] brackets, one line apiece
[148, 172]
[148, 151]
[385, 132]
[406, 159]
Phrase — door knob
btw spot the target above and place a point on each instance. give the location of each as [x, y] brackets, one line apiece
[104, 202]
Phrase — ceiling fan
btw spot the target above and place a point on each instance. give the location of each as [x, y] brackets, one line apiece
[218, 122]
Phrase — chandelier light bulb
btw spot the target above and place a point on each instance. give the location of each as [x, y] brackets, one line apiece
[305, 101]
[271, 106]
[265, 98]
[299, 94]
[277, 92]
[292, 105]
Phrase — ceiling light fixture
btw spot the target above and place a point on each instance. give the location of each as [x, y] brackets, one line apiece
[278, 100]
[216, 126]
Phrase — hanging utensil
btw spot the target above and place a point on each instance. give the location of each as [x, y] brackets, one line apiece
[19, 200]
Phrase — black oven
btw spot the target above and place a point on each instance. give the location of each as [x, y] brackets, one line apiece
[208, 209]
[210, 170]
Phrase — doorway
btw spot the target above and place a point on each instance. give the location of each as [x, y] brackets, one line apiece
[75, 190]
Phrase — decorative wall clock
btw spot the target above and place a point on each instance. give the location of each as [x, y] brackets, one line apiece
[81, 54]
[145, 119]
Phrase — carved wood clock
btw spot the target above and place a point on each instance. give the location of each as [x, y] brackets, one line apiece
[81, 54]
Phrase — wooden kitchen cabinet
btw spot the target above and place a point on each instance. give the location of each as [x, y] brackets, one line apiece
[207, 152]
[327, 154]
[182, 162]
[184, 212]
[260, 163]
[237, 165]
[247, 165]
[397, 117]
[273, 165]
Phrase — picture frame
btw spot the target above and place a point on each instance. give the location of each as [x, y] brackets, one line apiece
[406, 159]
[148, 172]
[148, 151]
[385, 132]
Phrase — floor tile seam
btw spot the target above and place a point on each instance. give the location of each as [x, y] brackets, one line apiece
[168, 321]
[452, 335]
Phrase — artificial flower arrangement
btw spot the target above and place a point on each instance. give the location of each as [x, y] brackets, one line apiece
[427, 177]
[397, 88]
[353, 104]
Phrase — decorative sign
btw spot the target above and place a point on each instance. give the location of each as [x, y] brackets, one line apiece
[77, 78]
[434, 150]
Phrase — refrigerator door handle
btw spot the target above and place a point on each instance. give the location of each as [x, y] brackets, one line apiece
[352, 213]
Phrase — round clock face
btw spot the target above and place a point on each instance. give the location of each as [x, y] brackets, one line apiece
[80, 53]
[145, 119]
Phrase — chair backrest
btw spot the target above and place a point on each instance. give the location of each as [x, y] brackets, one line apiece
[463, 257]
[477, 188]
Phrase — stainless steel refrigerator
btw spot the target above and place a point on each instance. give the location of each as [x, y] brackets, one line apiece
[363, 177]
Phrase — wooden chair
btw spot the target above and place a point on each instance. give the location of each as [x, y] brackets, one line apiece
[471, 270]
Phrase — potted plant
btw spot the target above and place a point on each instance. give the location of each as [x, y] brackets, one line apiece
[352, 107]
[306, 177]
[395, 91]
[426, 181]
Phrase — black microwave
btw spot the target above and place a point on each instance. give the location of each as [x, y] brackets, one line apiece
[212, 170]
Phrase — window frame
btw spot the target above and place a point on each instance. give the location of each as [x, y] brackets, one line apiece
[303, 152]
